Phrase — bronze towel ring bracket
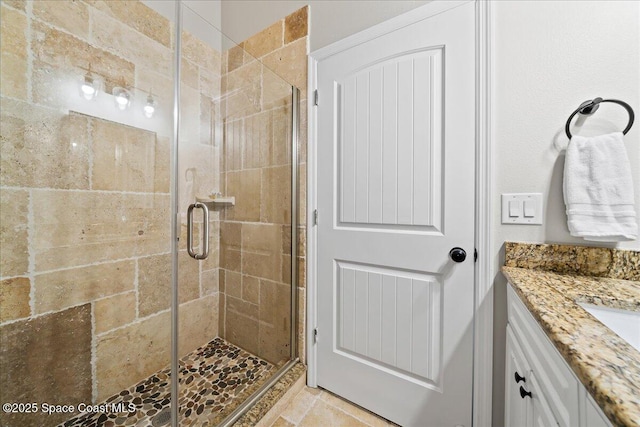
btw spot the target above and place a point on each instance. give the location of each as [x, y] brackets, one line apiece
[591, 106]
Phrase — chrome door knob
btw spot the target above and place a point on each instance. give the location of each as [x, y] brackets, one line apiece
[457, 254]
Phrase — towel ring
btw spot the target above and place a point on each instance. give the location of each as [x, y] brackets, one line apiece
[589, 107]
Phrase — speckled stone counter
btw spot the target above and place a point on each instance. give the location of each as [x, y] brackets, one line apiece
[551, 280]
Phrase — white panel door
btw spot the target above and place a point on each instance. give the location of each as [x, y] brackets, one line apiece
[395, 195]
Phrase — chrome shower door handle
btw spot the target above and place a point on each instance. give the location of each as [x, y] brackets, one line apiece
[205, 230]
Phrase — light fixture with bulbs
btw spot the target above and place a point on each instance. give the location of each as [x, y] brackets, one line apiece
[89, 87]
[122, 97]
[150, 107]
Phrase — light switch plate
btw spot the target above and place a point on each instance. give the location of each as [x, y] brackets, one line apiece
[530, 211]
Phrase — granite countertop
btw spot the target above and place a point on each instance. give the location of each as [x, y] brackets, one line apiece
[607, 365]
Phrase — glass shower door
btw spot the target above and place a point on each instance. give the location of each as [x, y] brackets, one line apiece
[234, 162]
[85, 123]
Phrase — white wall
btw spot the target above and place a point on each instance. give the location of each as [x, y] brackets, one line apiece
[549, 56]
[330, 20]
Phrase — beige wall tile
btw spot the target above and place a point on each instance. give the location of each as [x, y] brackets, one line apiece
[127, 355]
[230, 259]
[295, 25]
[138, 16]
[243, 307]
[116, 36]
[233, 284]
[16, 4]
[302, 272]
[124, 157]
[154, 282]
[161, 172]
[234, 136]
[42, 148]
[198, 323]
[263, 265]
[210, 83]
[290, 62]
[266, 41]
[276, 92]
[189, 74]
[200, 53]
[276, 195]
[246, 187]
[241, 331]
[14, 298]
[13, 73]
[73, 56]
[275, 321]
[230, 244]
[251, 289]
[115, 311]
[79, 228]
[188, 277]
[212, 262]
[46, 359]
[302, 136]
[66, 288]
[210, 282]
[72, 16]
[258, 142]
[281, 136]
[286, 269]
[14, 249]
[242, 90]
[262, 238]
[234, 58]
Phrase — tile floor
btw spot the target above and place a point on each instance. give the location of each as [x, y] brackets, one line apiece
[317, 407]
[214, 380]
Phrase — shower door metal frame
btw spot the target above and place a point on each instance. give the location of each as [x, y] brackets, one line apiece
[295, 130]
[175, 206]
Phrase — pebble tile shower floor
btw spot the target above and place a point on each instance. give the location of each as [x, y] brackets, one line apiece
[214, 380]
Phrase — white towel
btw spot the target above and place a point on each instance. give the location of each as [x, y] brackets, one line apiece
[598, 189]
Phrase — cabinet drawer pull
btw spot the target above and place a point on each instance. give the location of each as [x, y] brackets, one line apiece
[524, 393]
[519, 378]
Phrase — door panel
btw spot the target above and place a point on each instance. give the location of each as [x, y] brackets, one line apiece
[389, 319]
[388, 116]
[395, 194]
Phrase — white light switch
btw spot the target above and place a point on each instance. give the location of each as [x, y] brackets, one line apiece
[514, 208]
[529, 208]
[522, 208]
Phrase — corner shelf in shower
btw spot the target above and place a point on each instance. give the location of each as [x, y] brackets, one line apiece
[218, 201]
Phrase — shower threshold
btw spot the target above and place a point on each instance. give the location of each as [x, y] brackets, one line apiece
[214, 381]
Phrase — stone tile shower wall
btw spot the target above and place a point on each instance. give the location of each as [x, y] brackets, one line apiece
[255, 235]
[85, 264]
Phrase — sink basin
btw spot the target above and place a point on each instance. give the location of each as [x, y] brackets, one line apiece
[625, 323]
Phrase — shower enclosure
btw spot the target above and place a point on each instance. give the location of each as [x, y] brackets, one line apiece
[136, 139]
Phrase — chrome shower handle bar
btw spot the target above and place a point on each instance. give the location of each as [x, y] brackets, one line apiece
[205, 230]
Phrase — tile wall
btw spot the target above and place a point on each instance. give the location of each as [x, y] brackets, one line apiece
[85, 266]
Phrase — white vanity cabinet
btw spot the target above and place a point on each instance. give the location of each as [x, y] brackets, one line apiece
[540, 388]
